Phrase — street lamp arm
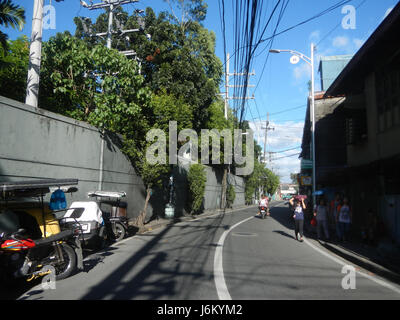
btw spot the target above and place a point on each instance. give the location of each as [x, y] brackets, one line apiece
[296, 53]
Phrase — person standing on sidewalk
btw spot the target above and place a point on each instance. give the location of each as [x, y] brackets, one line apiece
[334, 212]
[298, 216]
[321, 214]
[344, 219]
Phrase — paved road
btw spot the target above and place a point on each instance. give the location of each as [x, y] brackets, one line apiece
[234, 255]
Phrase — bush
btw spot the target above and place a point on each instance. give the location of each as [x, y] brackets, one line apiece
[230, 196]
[197, 178]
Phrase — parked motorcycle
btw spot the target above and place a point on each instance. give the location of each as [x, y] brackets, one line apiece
[31, 241]
[98, 224]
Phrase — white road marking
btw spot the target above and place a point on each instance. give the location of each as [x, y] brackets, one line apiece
[219, 279]
[220, 284]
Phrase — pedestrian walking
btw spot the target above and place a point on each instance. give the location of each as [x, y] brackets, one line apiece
[298, 215]
[344, 219]
[321, 214]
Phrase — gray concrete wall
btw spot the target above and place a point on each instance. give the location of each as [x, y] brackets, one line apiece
[37, 144]
[213, 190]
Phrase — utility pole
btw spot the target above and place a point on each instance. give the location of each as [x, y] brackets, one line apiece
[112, 5]
[265, 140]
[35, 53]
[227, 98]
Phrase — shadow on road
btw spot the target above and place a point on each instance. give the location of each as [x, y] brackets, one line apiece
[165, 256]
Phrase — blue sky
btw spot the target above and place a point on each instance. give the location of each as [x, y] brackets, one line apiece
[281, 86]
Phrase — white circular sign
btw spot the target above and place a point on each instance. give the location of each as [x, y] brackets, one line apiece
[294, 60]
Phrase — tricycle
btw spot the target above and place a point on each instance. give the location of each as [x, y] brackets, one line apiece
[99, 223]
[32, 243]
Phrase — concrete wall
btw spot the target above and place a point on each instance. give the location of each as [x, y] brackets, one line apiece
[213, 190]
[38, 144]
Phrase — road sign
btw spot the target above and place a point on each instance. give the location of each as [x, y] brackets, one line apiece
[306, 164]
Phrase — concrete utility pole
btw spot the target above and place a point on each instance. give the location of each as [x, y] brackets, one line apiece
[227, 98]
[35, 53]
[265, 140]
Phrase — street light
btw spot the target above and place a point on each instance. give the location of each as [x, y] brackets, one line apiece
[310, 61]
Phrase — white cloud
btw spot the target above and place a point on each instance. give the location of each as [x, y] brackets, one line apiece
[286, 135]
[340, 41]
[302, 71]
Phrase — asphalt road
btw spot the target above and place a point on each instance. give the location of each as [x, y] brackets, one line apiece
[233, 255]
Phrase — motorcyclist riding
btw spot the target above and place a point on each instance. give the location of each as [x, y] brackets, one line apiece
[263, 203]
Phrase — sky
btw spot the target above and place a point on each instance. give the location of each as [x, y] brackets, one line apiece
[282, 88]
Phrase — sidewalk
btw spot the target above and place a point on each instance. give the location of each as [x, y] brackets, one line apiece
[382, 260]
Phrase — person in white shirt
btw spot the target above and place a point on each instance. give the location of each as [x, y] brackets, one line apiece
[321, 214]
[263, 203]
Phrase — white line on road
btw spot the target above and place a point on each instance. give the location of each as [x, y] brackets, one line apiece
[219, 279]
[220, 284]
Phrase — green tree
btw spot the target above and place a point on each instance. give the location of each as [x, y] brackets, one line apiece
[197, 178]
[261, 178]
[183, 64]
[230, 195]
[101, 86]
[11, 15]
[13, 77]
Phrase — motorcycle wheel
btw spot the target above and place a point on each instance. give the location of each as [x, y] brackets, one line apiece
[119, 232]
[66, 268]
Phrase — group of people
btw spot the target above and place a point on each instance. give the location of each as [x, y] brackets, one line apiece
[338, 212]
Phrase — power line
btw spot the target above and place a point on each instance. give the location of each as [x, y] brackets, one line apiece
[286, 150]
[337, 26]
[289, 156]
[339, 4]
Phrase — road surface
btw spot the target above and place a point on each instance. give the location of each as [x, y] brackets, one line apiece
[224, 256]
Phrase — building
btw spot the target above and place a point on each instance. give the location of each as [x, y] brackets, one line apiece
[371, 84]
[330, 67]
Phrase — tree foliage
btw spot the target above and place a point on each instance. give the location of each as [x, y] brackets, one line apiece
[230, 195]
[197, 178]
[11, 15]
[183, 64]
[261, 179]
[13, 75]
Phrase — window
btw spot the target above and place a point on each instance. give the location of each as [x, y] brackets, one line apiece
[388, 95]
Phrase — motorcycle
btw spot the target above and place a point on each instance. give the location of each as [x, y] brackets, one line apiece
[98, 224]
[32, 243]
[263, 212]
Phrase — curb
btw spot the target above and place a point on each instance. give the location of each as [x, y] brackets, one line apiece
[363, 262]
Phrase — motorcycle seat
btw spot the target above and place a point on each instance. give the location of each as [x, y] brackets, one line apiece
[56, 237]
